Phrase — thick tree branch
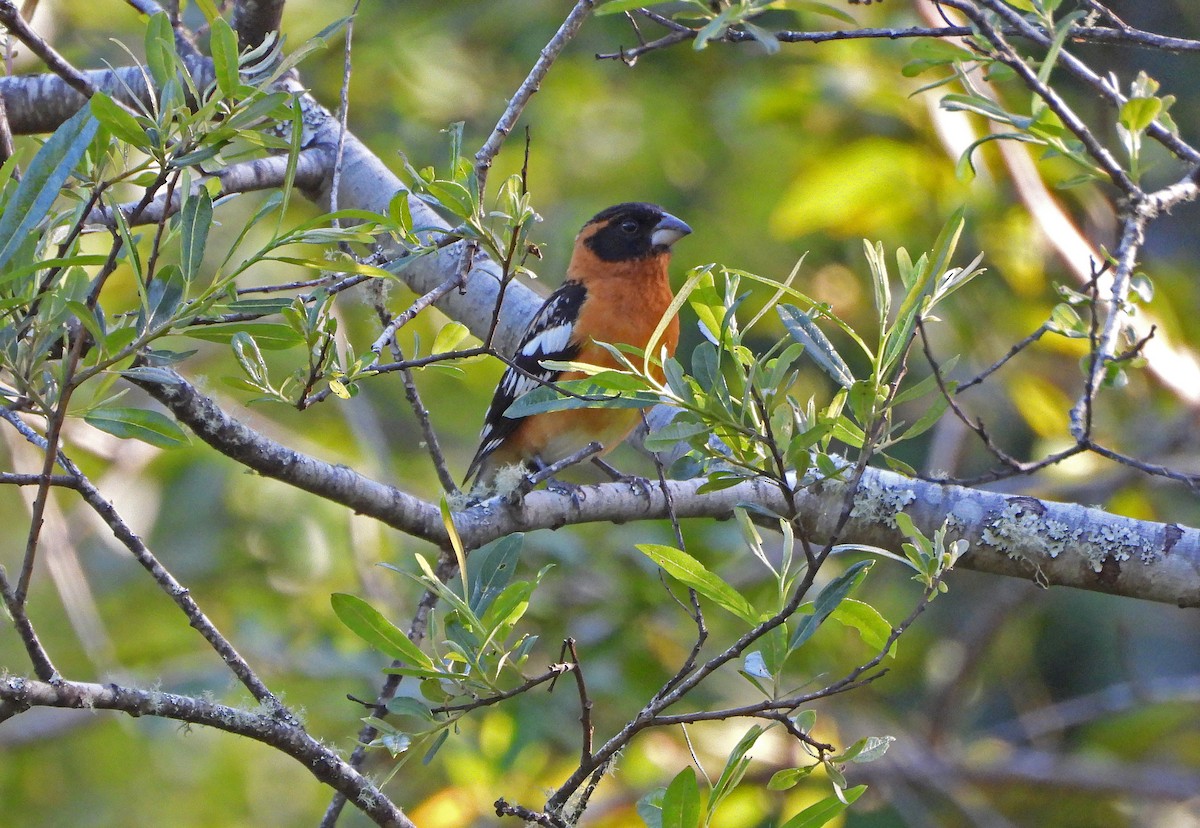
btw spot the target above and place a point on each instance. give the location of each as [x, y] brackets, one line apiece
[1051, 543]
[253, 20]
[312, 166]
[38, 104]
[17, 694]
[267, 457]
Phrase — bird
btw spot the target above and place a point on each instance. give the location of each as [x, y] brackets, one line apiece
[616, 291]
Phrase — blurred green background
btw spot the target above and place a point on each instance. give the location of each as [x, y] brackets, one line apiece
[768, 158]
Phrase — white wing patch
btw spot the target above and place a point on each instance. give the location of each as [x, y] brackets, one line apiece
[547, 342]
[548, 337]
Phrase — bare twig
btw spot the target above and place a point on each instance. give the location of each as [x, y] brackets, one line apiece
[1082, 34]
[286, 736]
[10, 16]
[533, 81]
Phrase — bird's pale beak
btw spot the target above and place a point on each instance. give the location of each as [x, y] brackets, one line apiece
[668, 231]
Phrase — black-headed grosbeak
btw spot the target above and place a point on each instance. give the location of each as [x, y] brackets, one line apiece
[616, 291]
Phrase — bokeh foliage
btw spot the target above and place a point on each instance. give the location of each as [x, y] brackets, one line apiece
[768, 157]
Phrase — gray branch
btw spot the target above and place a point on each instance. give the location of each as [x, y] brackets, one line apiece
[253, 20]
[1048, 542]
[18, 694]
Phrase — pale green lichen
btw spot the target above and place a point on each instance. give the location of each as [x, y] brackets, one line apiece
[1021, 526]
[879, 504]
[1120, 543]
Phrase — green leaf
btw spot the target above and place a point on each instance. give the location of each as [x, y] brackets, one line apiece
[453, 196]
[1139, 113]
[151, 427]
[932, 414]
[687, 570]
[223, 45]
[270, 336]
[681, 803]
[369, 624]
[802, 328]
[734, 770]
[545, 398]
[460, 553]
[195, 220]
[44, 177]
[649, 808]
[409, 706]
[832, 595]
[819, 814]
[248, 355]
[435, 747]
[866, 750]
[716, 27]
[160, 49]
[618, 6]
[872, 627]
[673, 433]
[449, 337]
[119, 122]
[510, 605]
[491, 569]
[789, 778]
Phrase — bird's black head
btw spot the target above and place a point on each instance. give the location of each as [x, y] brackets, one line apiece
[632, 231]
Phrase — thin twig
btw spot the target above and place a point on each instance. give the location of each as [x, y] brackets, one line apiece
[551, 675]
[10, 16]
[585, 704]
[533, 81]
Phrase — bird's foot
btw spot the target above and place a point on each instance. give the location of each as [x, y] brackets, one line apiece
[644, 486]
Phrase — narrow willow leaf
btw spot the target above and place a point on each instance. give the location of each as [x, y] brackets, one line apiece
[734, 770]
[460, 554]
[223, 45]
[369, 624]
[195, 220]
[120, 123]
[687, 570]
[47, 173]
[151, 427]
[160, 49]
[802, 328]
[832, 595]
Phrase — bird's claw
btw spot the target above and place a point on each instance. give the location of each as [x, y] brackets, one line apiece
[571, 490]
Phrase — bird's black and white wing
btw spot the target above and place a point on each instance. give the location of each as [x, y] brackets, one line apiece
[550, 336]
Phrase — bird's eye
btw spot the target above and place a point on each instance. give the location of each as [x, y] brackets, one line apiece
[629, 226]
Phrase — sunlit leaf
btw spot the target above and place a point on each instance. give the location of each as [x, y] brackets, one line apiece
[369, 624]
[819, 814]
[681, 803]
[687, 570]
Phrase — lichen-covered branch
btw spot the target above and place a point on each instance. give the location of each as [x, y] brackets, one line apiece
[17, 694]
